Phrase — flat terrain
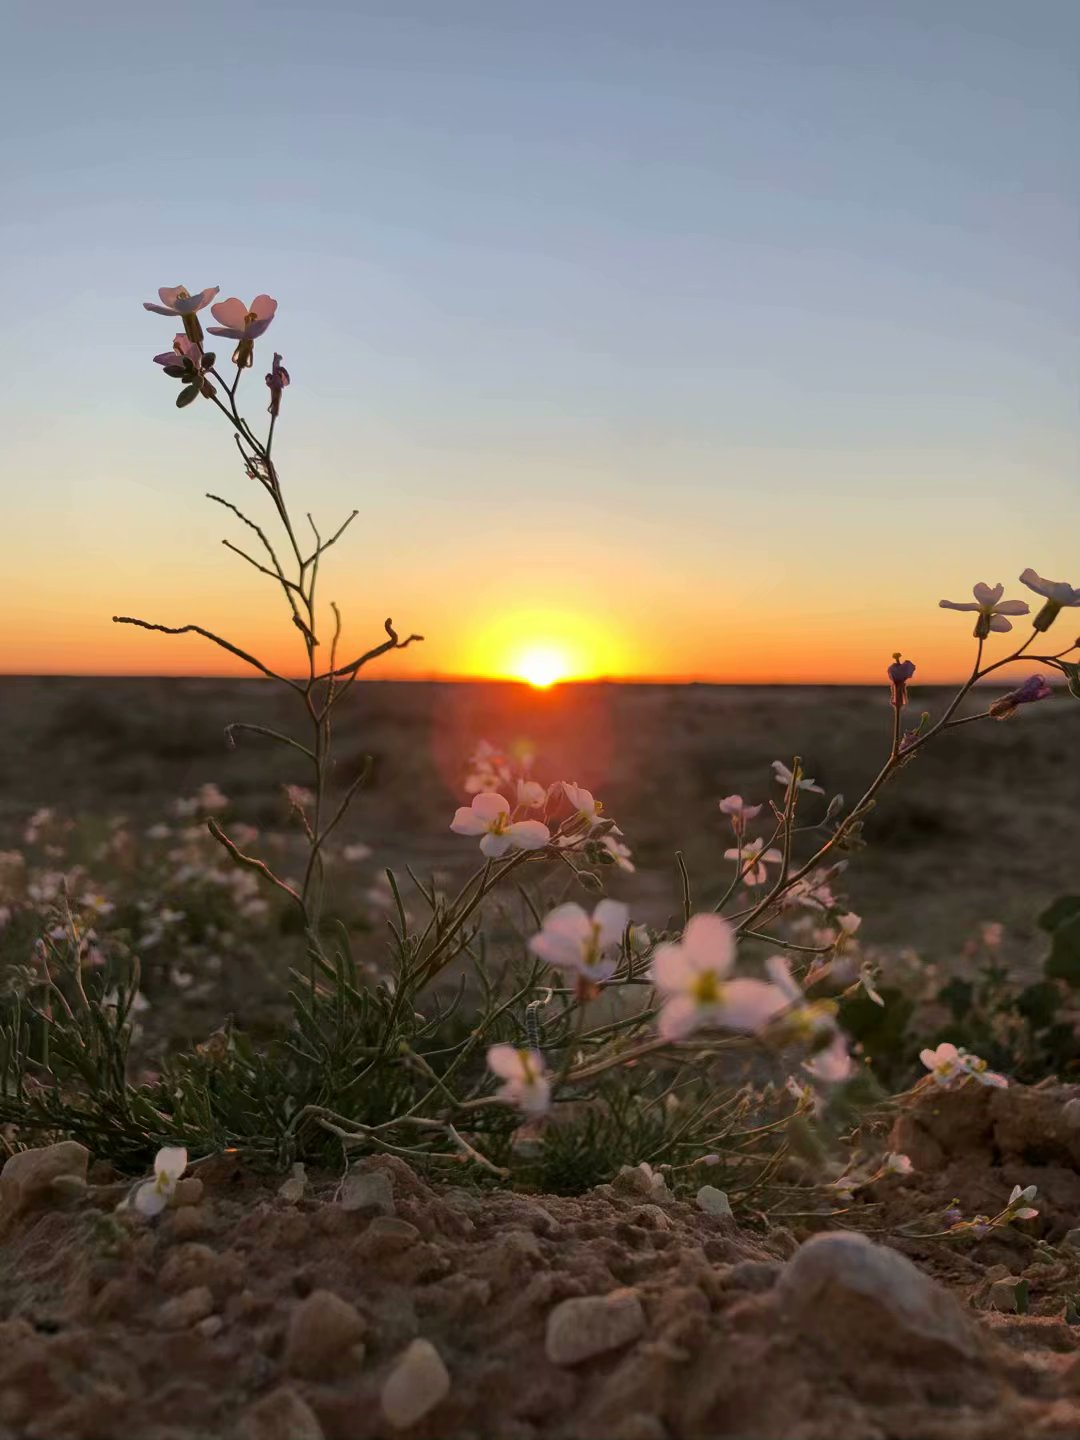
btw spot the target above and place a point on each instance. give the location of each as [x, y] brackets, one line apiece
[984, 825]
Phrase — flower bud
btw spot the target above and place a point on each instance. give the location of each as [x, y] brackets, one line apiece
[899, 673]
[1035, 687]
[1047, 615]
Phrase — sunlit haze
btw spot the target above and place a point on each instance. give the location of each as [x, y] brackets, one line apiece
[709, 341]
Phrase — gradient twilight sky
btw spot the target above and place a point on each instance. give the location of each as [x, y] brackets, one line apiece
[709, 339]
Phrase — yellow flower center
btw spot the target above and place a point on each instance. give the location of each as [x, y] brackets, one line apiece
[706, 988]
[250, 318]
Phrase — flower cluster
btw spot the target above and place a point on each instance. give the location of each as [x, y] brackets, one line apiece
[950, 1067]
[190, 363]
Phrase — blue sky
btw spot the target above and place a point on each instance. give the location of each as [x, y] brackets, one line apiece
[697, 315]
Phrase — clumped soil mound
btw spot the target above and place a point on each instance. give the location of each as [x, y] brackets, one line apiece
[395, 1307]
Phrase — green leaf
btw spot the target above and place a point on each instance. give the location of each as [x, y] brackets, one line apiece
[1062, 909]
[1063, 962]
[1071, 671]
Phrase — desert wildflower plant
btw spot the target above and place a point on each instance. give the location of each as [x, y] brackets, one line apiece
[549, 1050]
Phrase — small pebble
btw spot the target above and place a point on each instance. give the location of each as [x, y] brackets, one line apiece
[387, 1235]
[281, 1415]
[186, 1309]
[322, 1328]
[714, 1202]
[416, 1384]
[592, 1325]
[368, 1192]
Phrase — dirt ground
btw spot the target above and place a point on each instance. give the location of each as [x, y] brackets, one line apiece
[983, 826]
[395, 1306]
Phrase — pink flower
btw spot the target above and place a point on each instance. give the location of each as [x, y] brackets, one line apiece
[739, 811]
[582, 944]
[244, 323]
[526, 1082]
[277, 379]
[176, 300]
[991, 609]
[754, 858]
[489, 817]
[693, 977]
[186, 361]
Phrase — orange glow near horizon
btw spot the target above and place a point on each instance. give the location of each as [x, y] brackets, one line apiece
[542, 647]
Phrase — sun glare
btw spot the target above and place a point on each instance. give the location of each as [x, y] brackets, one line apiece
[542, 646]
[542, 665]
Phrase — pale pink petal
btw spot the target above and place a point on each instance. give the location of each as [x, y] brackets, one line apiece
[748, 1005]
[171, 1160]
[494, 845]
[611, 918]
[231, 313]
[225, 332]
[467, 822]
[157, 309]
[998, 622]
[709, 943]
[671, 971]
[255, 328]
[489, 806]
[529, 834]
[263, 308]
[679, 1018]
[987, 595]
[773, 856]
[149, 1200]
[505, 1061]
[558, 950]
[1013, 607]
[568, 921]
[958, 605]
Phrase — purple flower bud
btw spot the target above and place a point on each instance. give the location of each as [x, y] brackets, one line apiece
[1035, 687]
[899, 673]
[277, 379]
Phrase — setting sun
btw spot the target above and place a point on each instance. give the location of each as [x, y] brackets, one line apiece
[542, 647]
[542, 665]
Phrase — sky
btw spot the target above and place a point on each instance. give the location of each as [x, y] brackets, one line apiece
[696, 340]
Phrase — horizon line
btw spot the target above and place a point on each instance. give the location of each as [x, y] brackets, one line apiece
[436, 679]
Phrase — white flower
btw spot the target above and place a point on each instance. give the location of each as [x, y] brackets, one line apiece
[1058, 591]
[991, 609]
[356, 852]
[833, 1065]
[526, 1083]
[753, 858]
[582, 944]
[581, 800]
[945, 1064]
[531, 794]
[783, 776]
[692, 976]
[96, 902]
[489, 817]
[1018, 1206]
[740, 812]
[169, 1164]
[897, 1164]
[619, 850]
